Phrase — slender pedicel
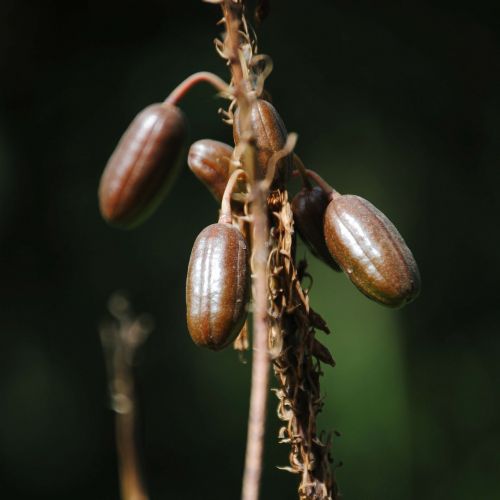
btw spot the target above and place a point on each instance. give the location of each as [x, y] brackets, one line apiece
[202, 76]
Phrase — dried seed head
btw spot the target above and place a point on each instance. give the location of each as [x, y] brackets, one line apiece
[370, 250]
[217, 286]
[210, 160]
[308, 207]
[270, 134]
[143, 166]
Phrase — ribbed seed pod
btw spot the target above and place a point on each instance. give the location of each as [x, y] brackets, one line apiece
[308, 207]
[271, 135]
[217, 286]
[209, 160]
[143, 166]
[370, 250]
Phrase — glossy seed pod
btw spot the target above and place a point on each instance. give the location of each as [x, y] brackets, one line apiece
[143, 166]
[271, 137]
[308, 207]
[370, 250]
[217, 286]
[209, 161]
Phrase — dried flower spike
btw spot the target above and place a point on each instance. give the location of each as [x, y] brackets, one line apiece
[143, 166]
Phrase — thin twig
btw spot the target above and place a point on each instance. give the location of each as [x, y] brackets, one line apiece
[261, 361]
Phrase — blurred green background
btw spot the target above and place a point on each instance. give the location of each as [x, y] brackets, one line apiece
[398, 102]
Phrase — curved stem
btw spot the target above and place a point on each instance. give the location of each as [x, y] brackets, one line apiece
[225, 211]
[321, 183]
[287, 149]
[202, 76]
[299, 165]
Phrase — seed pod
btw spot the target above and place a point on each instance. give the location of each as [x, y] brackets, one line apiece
[217, 286]
[308, 207]
[370, 250]
[143, 166]
[209, 161]
[271, 134]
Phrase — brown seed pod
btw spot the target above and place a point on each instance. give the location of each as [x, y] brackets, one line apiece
[143, 166]
[308, 207]
[271, 137]
[217, 286]
[209, 160]
[370, 250]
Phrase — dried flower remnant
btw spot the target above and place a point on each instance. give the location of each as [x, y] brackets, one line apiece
[121, 337]
[297, 366]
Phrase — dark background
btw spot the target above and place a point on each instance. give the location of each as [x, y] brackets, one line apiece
[398, 102]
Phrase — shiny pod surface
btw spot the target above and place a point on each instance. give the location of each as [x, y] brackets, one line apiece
[209, 161]
[143, 165]
[271, 137]
[370, 250]
[217, 286]
[308, 207]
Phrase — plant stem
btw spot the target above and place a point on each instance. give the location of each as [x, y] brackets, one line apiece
[260, 360]
[322, 183]
[225, 211]
[299, 165]
[260, 232]
[120, 338]
[132, 487]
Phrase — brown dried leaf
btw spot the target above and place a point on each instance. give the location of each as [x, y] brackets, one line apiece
[241, 343]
